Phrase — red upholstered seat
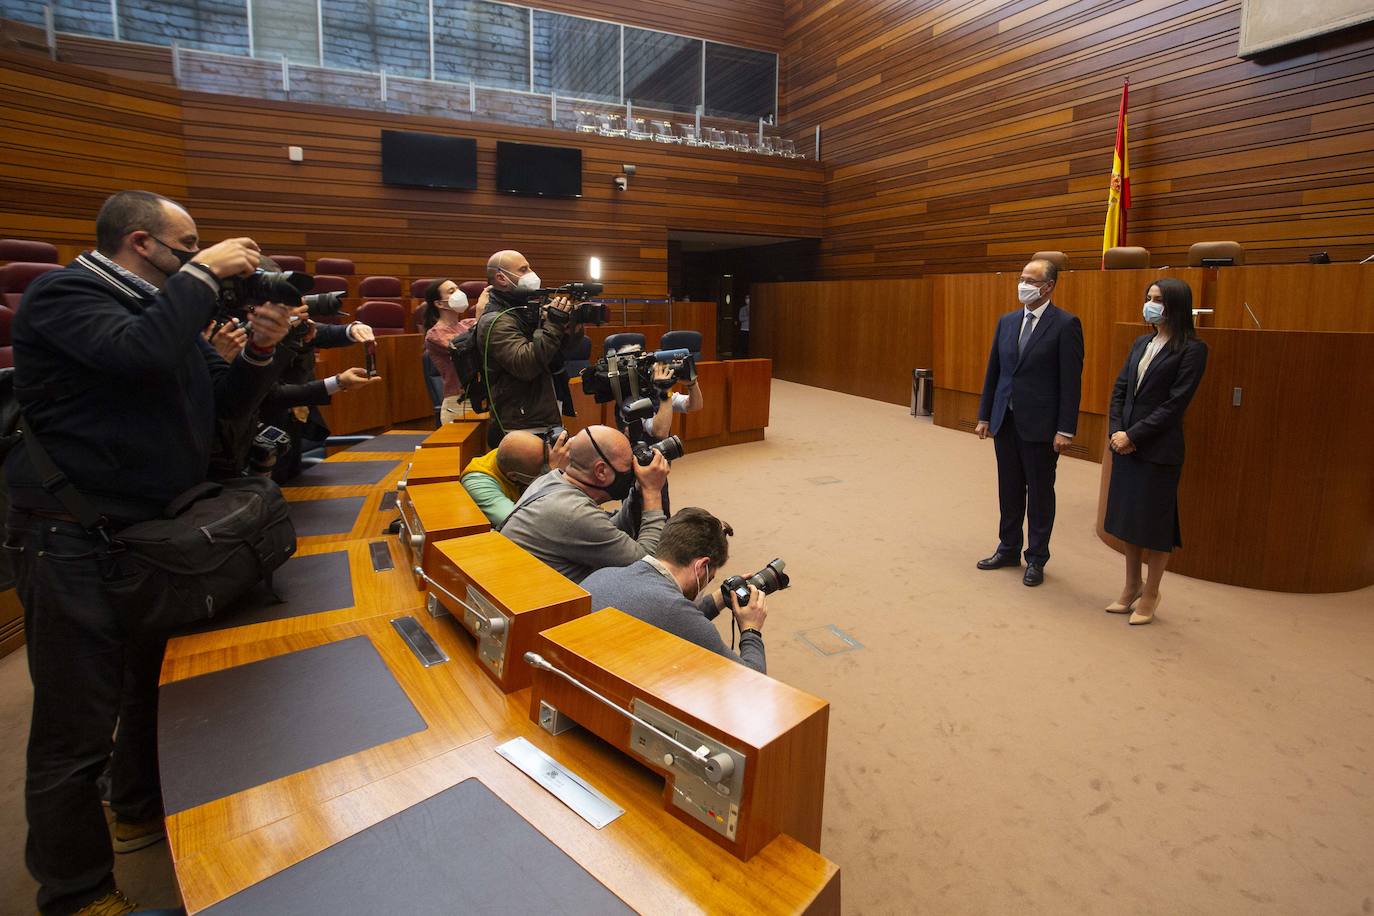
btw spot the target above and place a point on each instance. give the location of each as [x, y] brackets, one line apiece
[6, 319]
[383, 317]
[16, 276]
[24, 250]
[6, 357]
[380, 288]
[472, 289]
[330, 283]
[342, 266]
[288, 261]
[418, 287]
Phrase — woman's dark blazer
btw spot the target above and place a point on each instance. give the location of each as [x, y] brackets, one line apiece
[1153, 415]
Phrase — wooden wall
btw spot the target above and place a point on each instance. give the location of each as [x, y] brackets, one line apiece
[965, 136]
[859, 338]
[75, 135]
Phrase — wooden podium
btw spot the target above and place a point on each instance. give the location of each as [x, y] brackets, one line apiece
[1277, 483]
[503, 596]
[435, 512]
[762, 770]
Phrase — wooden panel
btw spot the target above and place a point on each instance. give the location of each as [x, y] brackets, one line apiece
[435, 512]
[861, 338]
[1258, 505]
[406, 391]
[750, 387]
[1297, 297]
[11, 622]
[589, 413]
[711, 419]
[434, 465]
[362, 409]
[211, 153]
[697, 316]
[965, 136]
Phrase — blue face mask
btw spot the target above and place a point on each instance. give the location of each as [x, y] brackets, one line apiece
[1153, 312]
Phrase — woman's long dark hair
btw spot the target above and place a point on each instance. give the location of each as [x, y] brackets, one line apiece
[431, 314]
[1178, 310]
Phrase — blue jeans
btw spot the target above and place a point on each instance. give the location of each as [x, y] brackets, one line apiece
[93, 671]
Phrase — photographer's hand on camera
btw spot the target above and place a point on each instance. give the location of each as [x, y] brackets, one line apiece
[753, 614]
[271, 322]
[558, 312]
[228, 340]
[651, 478]
[558, 452]
[231, 257]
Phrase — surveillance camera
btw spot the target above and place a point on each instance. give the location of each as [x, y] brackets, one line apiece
[628, 169]
[622, 183]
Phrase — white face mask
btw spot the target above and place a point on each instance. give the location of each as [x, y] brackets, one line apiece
[529, 281]
[1153, 312]
[458, 302]
[1027, 293]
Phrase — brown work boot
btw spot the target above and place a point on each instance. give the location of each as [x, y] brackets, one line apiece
[133, 835]
[112, 904]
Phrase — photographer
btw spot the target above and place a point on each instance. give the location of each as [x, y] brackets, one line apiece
[559, 518]
[666, 401]
[496, 479]
[670, 589]
[521, 348]
[120, 389]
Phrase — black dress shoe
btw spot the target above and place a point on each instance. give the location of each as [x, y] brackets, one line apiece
[998, 560]
[1035, 574]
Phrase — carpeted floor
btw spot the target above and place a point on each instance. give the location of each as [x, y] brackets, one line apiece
[999, 749]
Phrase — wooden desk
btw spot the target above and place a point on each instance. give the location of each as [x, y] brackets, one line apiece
[1297, 297]
[400, 396]
[370, 524]
[1258, 505]
[645, 857]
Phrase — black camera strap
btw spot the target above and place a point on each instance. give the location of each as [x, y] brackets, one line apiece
[56, 484]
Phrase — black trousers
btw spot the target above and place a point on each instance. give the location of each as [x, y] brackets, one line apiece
[1025, 489]
[92, 671]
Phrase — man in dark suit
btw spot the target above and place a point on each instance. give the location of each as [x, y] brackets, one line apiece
[1030, 405]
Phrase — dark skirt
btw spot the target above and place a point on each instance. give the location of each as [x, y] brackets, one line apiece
[1142, 503]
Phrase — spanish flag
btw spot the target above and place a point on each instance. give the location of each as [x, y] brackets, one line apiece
[1119, 194]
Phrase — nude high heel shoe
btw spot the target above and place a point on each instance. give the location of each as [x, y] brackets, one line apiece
[1144, 615]
[1116, 607]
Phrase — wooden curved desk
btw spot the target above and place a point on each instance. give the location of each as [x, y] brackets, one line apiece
[646, 857]
[1278, 491]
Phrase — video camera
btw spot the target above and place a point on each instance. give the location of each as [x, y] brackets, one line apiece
[768, 580]
[583, 311]
[627, 378]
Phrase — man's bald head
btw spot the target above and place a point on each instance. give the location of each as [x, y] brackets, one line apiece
[521, 456]
[506, 267]
[583, 457]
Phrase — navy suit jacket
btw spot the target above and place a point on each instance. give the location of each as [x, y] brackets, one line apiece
[1152, 415]
[1044, 382]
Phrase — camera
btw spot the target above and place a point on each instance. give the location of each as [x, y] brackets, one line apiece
[626, 378]
[768, 580]
[670, 448]
[582, 311]
[551, 435]
[238, 294]
[324, 305]
[268, 445]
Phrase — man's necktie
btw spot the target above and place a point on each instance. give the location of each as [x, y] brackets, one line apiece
[1025, 332]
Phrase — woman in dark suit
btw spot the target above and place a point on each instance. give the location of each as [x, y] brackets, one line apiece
[1148, 401]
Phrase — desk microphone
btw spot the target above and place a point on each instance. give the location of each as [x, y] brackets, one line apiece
[1252, 315]
[717, 767]
[1368, 259]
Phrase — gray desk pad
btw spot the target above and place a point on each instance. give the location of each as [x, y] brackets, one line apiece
[397, 442]
[230, 730]
[344, 473]
[325, 516]
[461, 851]
[306, 585]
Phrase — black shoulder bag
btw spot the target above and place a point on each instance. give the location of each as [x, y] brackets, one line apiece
[212, 544]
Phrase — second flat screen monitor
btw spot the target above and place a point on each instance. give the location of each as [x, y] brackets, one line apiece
[543, 171]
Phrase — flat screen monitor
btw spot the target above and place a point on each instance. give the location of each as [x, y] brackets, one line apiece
[429, 160]
[542, 171]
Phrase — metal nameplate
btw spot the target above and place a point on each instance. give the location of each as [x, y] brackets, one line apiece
[381, 556]
[715, 804]
[420, 642]
[565, 785]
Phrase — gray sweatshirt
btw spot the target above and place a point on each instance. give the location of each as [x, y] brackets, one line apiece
[642, 591]
[564, 527]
